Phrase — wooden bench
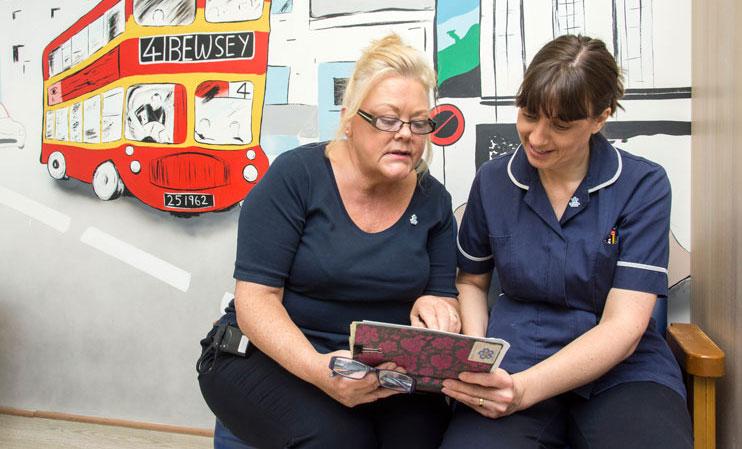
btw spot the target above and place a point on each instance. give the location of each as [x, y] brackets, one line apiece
[702, 362]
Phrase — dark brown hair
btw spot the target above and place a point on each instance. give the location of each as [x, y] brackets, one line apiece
[571, 78]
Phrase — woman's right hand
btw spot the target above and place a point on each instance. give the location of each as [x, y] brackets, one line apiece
[492, 394]
[351, 392]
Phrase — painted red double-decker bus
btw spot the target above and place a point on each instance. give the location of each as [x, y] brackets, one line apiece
[163, 98]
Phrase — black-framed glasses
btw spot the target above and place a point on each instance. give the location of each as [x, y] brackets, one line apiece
[394, 124]
[353, 369]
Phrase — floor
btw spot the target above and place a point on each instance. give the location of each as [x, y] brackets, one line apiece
[18, 432]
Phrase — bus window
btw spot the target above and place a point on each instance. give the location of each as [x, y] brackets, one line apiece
[224, 112]
[164, 12]
[114, 21]
[76, 122]
[61, 124]
[96, 35]
[91, 119]
[281, 6]
[150, 113]
[113, 106]
[66, 55]
[55, 61]
[49, 129]
[233, 10]
[79, 46]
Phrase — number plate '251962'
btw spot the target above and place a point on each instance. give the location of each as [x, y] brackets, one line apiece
[189, 200]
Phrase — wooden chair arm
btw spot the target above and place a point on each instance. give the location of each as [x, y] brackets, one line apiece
[697, 354]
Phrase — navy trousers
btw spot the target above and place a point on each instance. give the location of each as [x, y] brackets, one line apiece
[268, 407]
[636, 415]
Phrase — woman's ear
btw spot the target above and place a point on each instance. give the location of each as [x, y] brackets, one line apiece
[600, 120]
[343, 122]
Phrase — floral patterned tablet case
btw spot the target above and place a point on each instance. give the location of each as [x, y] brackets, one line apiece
[429, 356]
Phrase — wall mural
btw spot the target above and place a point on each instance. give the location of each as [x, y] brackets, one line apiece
[182, 104]
[12, 133]
[457, 37]
[162, 98]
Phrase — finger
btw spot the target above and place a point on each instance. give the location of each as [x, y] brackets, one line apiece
[367, 383]
[499, 399]
[458, 395]
[472, 390]
[479, 404]
[387, 365]
[481, 381]
[499, 379]
[356, 386]
[370, 381]
[382, 393]
[429, 318]
[442, 316]
[464, 398]
[453, 320]
[362, 388]
[415, 321]
[375, 395]
[341, 353]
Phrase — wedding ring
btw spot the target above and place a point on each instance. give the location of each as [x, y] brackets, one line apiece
[481, 402]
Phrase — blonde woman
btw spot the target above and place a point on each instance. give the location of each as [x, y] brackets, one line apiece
[348, 230]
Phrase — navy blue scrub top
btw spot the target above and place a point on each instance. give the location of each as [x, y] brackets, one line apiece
[555, 274]
[295, 233]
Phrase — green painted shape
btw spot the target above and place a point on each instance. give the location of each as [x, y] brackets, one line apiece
[460, 57]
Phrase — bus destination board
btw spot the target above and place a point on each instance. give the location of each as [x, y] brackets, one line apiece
[198, 47]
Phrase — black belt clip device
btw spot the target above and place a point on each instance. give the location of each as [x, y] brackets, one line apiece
[234, 341]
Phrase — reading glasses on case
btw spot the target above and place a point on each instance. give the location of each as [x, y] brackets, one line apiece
[394, 124]
[353, 369]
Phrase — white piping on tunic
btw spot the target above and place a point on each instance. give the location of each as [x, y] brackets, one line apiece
[510, 171]
[641, 266]
[615, 176]
[613, 179]
[469, 256]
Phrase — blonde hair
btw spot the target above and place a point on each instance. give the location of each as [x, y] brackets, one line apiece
[385, 57]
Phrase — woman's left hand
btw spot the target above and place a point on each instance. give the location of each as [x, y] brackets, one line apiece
[490, 394]
[436, 312]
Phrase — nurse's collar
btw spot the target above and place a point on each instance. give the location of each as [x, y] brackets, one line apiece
[605, 165]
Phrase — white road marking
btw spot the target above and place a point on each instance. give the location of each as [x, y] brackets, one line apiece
[141, 260]
[34, 209]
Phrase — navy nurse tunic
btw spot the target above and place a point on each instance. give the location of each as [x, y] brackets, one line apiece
[556, 274]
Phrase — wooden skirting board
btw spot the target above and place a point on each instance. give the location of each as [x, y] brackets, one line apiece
[107, 421]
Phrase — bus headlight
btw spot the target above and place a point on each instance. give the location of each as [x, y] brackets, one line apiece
[135, 167]
[250, 154]
[129, 150]
[250, 173]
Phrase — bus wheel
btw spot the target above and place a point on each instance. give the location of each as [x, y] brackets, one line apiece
[57, 165]
[106, 182]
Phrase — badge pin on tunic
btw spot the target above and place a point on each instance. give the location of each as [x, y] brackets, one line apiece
[612, 237]
[413, 220]
[574, 202]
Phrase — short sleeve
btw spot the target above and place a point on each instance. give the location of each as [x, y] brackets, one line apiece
[271, 223]
[643, 237]
[441, 251]
[474, 250]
